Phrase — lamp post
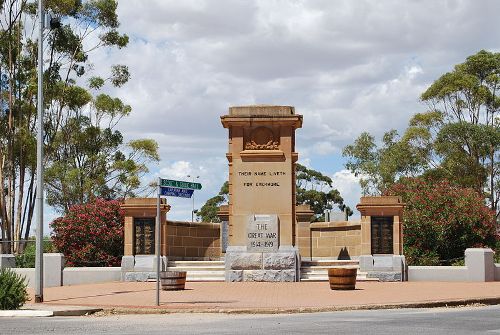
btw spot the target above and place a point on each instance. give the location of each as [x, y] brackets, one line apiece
[54, 23]
[39, 163]
[192, 211]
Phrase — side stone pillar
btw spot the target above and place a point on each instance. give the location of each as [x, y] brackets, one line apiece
[53, 266]
[480, 264]
[7, 261]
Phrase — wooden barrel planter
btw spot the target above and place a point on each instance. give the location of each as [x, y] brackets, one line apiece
[342, 278]
[172, 280]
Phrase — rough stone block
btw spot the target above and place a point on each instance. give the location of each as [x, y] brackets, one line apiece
[7, 261]
[288, 276]
[386, 276]
[139, 276]
[262, 275]
[253, 275]
[234, 276]
[243, 261]
[279, 261]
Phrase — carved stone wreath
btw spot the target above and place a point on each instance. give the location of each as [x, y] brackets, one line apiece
[262, 138]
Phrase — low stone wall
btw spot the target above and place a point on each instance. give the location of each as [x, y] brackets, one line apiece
[437, 273]
[193, 240]
[55, 274]
[479, 267]
[28, 274]
[341, 240]
[78, 276]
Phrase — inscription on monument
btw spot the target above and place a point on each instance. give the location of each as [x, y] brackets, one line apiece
[253, 175]
[262, 233]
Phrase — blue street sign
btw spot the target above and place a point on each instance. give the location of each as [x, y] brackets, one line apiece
[176, 192]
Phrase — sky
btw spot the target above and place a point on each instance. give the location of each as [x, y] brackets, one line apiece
[346, 66]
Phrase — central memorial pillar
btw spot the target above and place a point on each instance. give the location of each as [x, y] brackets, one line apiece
[262, 193]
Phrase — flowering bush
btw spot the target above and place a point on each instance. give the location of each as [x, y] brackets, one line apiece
[441, 220]
[90, 234]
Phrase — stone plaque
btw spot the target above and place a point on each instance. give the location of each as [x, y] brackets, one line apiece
[262, 233]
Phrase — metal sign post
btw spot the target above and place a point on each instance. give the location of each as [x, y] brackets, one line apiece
[158, 243]
[172, 188]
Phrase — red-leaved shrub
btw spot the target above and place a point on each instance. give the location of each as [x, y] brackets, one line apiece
[90, 234]
[441, 220]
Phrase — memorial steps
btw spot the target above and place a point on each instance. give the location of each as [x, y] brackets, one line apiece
[214, 271]
[317, 270]
[199, 270]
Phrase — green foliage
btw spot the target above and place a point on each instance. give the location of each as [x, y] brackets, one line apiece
[441, 220]
[90, 234]
[85, 156]
[27, 258]
[379, 167]
[208, 212]
[416, 256]
[13, 290]
[457, 139]
[468, 98]
[315, 189]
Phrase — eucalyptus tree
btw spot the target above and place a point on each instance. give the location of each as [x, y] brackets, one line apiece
[457, 138]
[85, 156]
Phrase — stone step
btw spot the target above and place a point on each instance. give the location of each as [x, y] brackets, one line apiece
[195, 263]
[200, 272]
[313, 272]
[197, 268]
[205, 279]
[329, 262]
[324, 268]
[325, 278]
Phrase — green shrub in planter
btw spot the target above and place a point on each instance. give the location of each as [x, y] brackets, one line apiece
[13, 293]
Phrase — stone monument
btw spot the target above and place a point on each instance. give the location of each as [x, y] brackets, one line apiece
[262, 193]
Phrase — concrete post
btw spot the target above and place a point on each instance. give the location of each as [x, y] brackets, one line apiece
[480, 265]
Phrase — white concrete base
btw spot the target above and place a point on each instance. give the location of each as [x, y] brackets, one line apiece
[25, 313]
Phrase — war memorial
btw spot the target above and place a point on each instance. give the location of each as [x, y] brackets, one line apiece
[263, 235]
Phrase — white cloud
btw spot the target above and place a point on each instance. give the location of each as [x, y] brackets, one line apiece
[348, 186]
[177, 170]
[347, 66]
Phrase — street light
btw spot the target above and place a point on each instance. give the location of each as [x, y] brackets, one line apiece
[54, 23]
[192, 212]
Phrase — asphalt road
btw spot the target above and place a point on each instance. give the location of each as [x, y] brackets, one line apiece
[464, 320]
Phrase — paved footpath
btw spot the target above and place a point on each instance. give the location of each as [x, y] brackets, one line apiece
[128, 297]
